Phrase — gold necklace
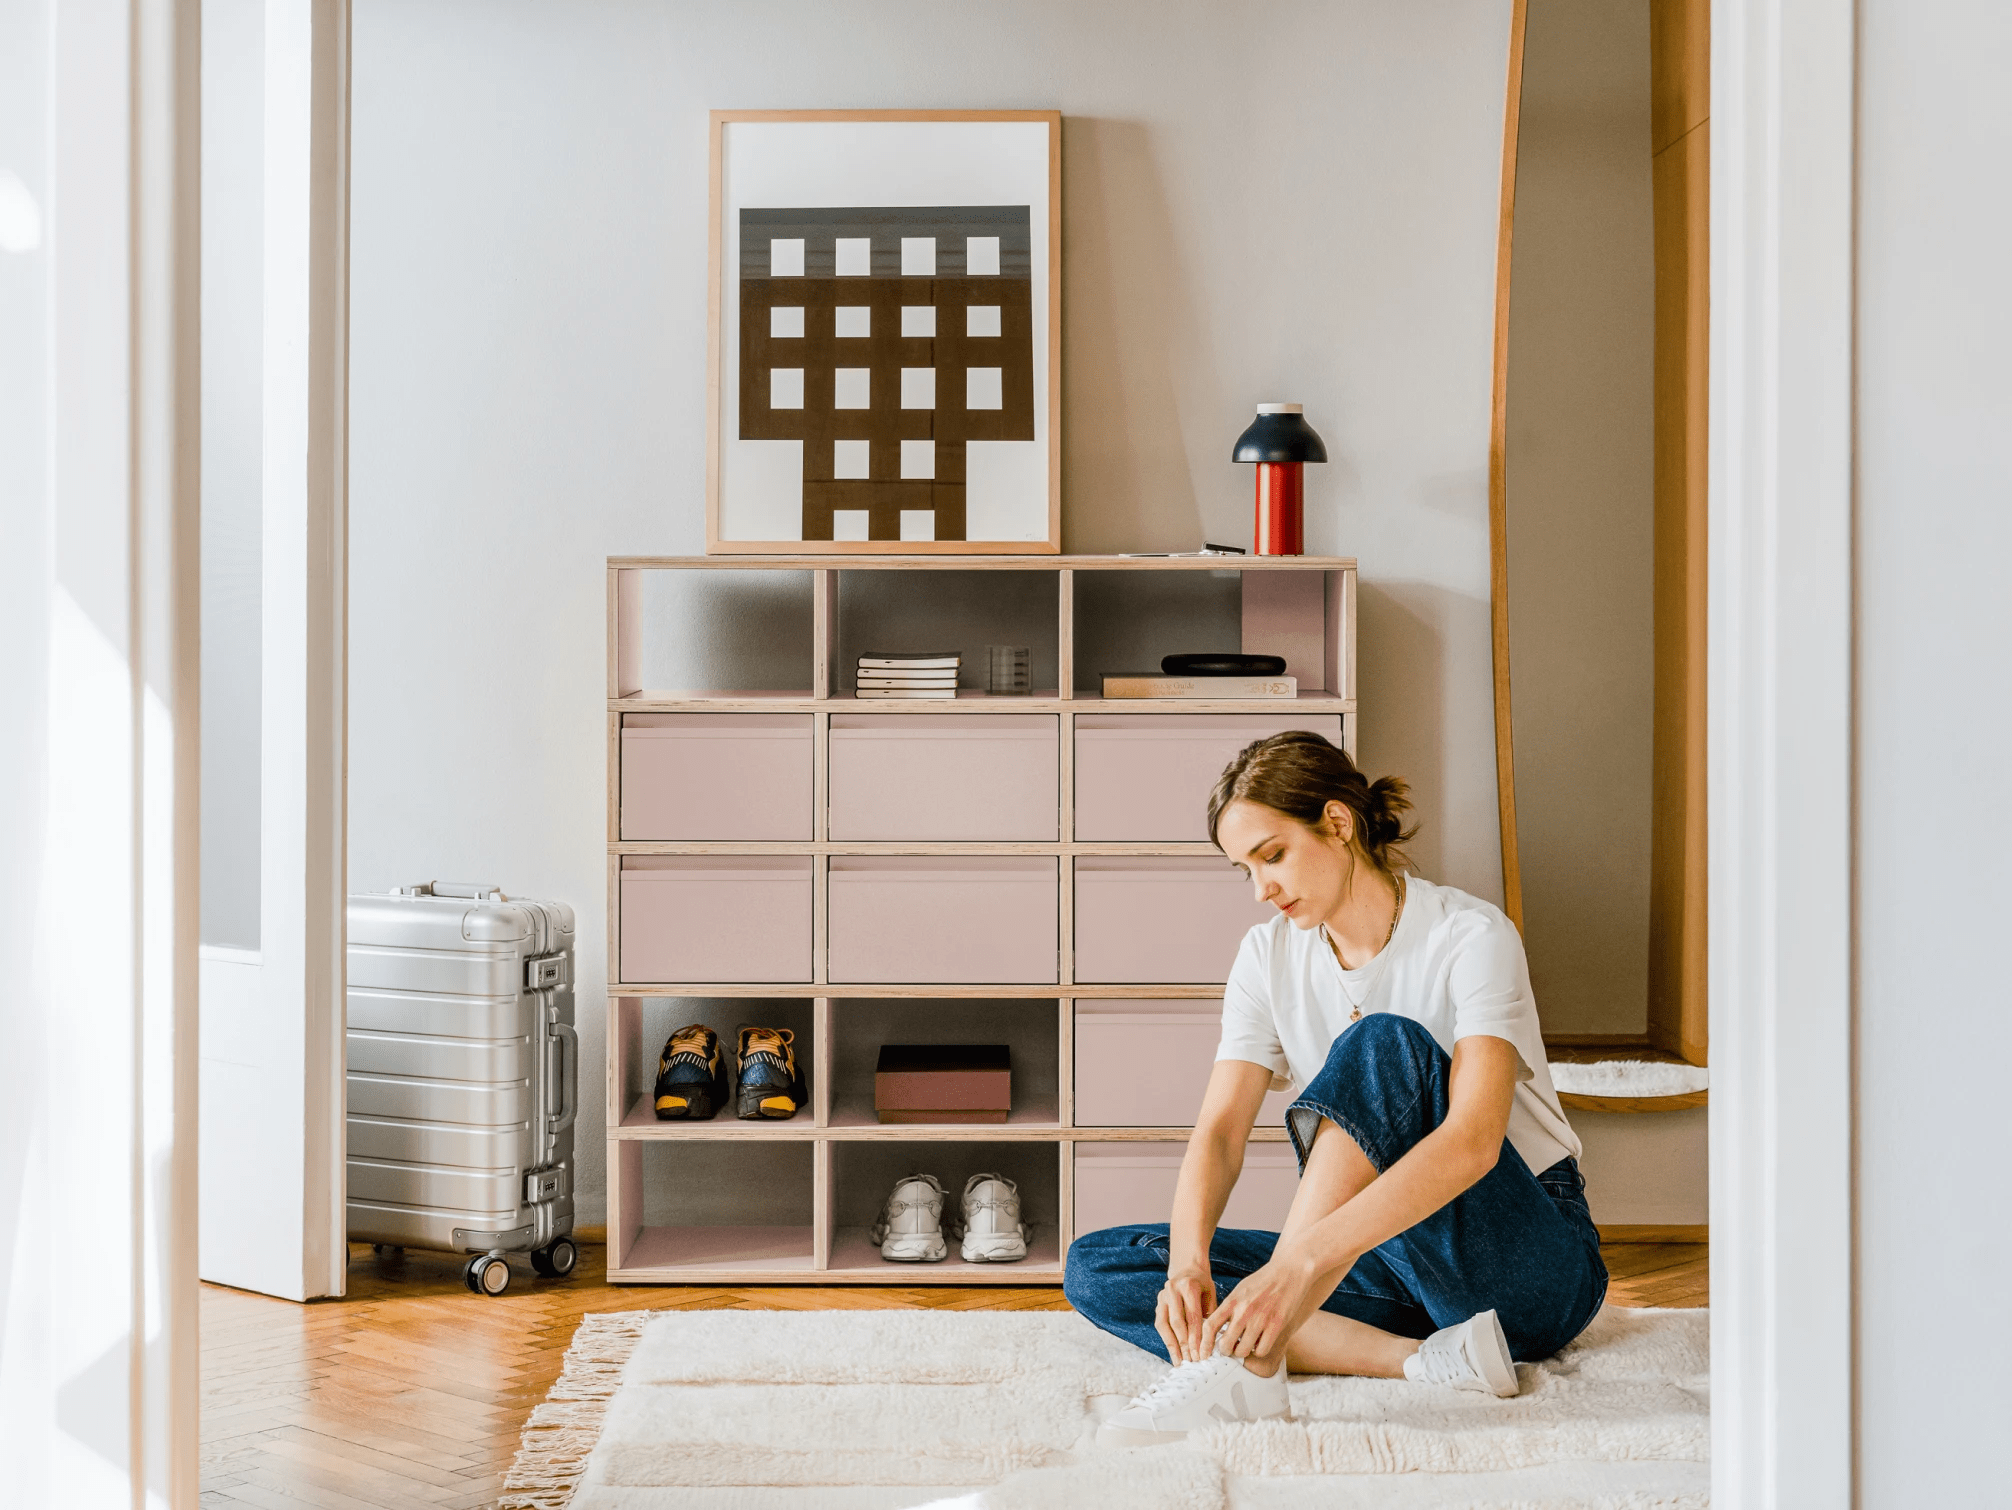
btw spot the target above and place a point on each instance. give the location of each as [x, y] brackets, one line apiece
[1396, 911]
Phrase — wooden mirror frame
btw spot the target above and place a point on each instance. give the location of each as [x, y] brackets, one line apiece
[1680, 148]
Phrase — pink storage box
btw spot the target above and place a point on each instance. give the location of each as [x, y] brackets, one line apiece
[1161, 918]
[716, 776]
[963, 919]
[1128, 1184]
[945, 776]
[716, 918]
[1146, 1063]
[1147, 776]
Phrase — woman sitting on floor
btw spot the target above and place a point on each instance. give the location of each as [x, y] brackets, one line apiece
[1440, 1228]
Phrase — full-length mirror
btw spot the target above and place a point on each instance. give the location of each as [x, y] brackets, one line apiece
[1600, 539]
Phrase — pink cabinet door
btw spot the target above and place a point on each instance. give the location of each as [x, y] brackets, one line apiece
[1132, 1184]
[945, 776]
[1145, 1063]
[716, 776]
[957, 920]
[715, 918]
[1147, 776]
[1161, 918]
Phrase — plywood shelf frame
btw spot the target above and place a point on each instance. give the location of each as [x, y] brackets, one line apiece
[1317, 616]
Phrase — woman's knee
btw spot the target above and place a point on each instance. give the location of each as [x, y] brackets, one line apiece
[1383, 1083]
[1383, 1033]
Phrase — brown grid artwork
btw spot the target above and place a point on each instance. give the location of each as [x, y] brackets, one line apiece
[776, 242]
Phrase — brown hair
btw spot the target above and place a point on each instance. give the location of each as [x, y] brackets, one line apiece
[1298, 773]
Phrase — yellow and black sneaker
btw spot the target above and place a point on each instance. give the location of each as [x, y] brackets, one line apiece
[771, 1083]
[691, 1076]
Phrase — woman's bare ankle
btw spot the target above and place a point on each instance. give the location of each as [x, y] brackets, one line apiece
[1265, 1367]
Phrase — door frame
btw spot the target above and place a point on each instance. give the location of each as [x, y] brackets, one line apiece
[1780, 741]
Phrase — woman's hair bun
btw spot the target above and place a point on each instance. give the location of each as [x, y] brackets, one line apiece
[1299, 772]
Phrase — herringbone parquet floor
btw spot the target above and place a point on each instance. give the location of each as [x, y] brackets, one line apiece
[408, 1393]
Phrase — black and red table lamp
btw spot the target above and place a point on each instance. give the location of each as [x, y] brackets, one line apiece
[1281, 442]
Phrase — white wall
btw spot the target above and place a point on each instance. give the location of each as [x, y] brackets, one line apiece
[1934, 812]
[99, 1377]
[1243, 220]
[1582, 511]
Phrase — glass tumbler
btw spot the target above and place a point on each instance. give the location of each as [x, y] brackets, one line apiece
[1006, 671]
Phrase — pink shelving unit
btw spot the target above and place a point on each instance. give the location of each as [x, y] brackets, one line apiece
[710, 861]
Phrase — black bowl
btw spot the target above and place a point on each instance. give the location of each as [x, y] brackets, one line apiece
[1223, 663]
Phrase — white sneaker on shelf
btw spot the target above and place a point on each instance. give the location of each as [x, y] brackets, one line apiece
[1194, 1396]
[910, 1230]
[1473, 1355]
[993, 1231]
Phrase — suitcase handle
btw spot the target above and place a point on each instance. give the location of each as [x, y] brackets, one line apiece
[464, 890]
[570, 1107]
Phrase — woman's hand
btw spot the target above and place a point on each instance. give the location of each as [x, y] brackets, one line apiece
[1256, 1318]
[1186, 1301]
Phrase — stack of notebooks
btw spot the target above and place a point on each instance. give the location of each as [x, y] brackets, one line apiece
[908, 673]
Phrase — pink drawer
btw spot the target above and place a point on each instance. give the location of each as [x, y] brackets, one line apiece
[1149, 775]
[1145, 1063]
[964, 920]
[944, 776]
[716, 776]
[1127, 1184]
[716, 918]
[1161, 918]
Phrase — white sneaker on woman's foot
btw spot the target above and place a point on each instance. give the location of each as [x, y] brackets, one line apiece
[1197, 1395]
[1473, 1355]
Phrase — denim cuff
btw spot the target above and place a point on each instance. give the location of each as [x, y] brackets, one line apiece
[1302, 1121]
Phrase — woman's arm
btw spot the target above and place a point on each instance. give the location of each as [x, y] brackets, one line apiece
[1263, 1312]
[1209, 1171]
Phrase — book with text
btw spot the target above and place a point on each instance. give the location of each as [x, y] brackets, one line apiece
[1198, 688]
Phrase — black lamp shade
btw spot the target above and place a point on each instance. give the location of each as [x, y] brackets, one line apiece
[1279, 437]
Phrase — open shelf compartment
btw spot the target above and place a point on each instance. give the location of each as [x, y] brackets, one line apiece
[703, 1208]
[863, 1173]
[1028, 1029]
[1126, 621]
[642, 1025]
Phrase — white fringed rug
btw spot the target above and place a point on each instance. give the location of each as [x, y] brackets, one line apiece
[885, 1410]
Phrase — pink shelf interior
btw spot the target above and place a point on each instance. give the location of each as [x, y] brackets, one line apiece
[723, 1125]
[1033, 1111]
[788, 1248]
[852, 1250]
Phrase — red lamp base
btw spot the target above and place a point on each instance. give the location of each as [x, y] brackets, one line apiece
[1281, 509]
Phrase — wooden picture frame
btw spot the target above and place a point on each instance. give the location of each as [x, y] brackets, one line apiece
[981, 475]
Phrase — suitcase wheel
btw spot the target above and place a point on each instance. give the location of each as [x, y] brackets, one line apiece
[556, 1259]
[487, 1274]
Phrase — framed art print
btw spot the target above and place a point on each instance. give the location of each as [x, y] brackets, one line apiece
[885, 328]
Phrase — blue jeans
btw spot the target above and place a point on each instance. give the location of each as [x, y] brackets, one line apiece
[1518, 1243]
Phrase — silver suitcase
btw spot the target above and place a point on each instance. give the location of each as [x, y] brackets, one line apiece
[463, 1077]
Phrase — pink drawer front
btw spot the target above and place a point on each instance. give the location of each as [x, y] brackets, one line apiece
[963, 920]
[1148, 775]
[944, 776]
[1145, 1063]
[715, 918]
[1130, 1184]
[1161, 918]
[716, 776]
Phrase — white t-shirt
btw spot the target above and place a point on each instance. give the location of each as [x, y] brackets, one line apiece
[1454, 965]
